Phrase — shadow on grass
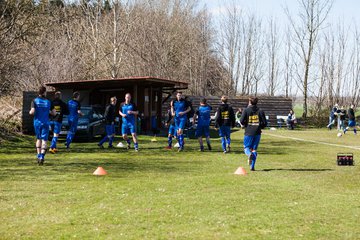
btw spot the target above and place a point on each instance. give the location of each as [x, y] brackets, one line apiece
[298, 169]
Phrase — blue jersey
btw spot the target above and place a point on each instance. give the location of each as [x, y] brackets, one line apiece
[203, 113]
[42, 109]
[124, 108]
[73, 107]
[180, 106]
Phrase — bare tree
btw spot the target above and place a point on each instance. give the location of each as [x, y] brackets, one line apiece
[311, 18]
[272, 49]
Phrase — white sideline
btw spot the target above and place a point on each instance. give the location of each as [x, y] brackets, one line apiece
[312, 141]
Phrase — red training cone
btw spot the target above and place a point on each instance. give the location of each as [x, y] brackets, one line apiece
[240, 171]
[100, 172]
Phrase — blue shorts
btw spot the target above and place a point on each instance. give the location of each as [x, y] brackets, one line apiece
[41, 130]
[73, 125]
[202, 131]
[172, 130]
[180, 122]
[352, 123]
[110, 129]
[56, 126]
[252, 142]
[127, 128]
[224, 131]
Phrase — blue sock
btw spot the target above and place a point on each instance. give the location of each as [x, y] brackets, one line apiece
[208, 142]
[253, 160]
[355, 130]
[223, 143]
[181, 141]
[228, 141]
[53, 142]
[170, 141]
[128, 141]
[111, 141]
[68, 139]
[42, 156]
[136, 145]
[38, 155]
[104, 140]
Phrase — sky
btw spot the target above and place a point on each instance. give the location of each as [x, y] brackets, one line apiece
[343, 10]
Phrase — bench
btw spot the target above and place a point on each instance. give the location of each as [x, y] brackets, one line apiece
[280, 120]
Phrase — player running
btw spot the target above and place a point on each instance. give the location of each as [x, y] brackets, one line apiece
[179, 109]
[352, 120]
[40, 108]
[202, 114]
[110, 123]
[172, 131]
[73, 117]
[128, 112]
[253, 119]
[56, 122]
[224, 121]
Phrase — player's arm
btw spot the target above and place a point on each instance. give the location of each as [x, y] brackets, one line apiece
[232, 117]
[134, 111]
[195, 116]
[52, 110]
[32, 109]
[243, 119]
[217, 118]
[79, 111]
[120, 110]
[188, 109]
[172, 108]
[263, 121]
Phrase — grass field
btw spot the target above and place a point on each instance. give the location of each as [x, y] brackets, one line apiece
[297, 192]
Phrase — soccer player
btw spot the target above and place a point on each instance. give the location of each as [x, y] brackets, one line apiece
[253, 119]
[179, 109]
[202, 114]
[128, 112]
[342, 117]
[110, 123]
[41, 108]
[171, 124]
[333, 113]
[55, 123]
[73, 117]
[224, 121]
[352, 121]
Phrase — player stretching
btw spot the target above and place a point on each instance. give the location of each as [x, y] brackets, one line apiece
[40, 108]
[171, 124]
[224, 120]
[352, 120]
[203, 125]
[179, 109]
[128, 112]
[110, 123]
[73, 117]
[253, 119]
[61, 109]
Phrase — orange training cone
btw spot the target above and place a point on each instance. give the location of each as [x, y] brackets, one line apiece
[240, 171]
[100, 171]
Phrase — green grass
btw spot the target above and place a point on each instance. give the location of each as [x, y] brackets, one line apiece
[297, 192]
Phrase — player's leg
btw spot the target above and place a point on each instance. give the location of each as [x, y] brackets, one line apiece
[56, 131]
[198, 135]
[180, 125]
[37, 129]
[255, 143]
[44, 137]
[227, 131]
[112, 135]
[222, 135]
[107, 137]
[207, 136]
[248, 148]
[134, 137]
[71, 133]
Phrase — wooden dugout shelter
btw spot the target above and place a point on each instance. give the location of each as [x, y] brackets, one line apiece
[147, 93]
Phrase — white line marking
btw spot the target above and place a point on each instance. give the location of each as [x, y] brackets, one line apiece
[312, 141]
